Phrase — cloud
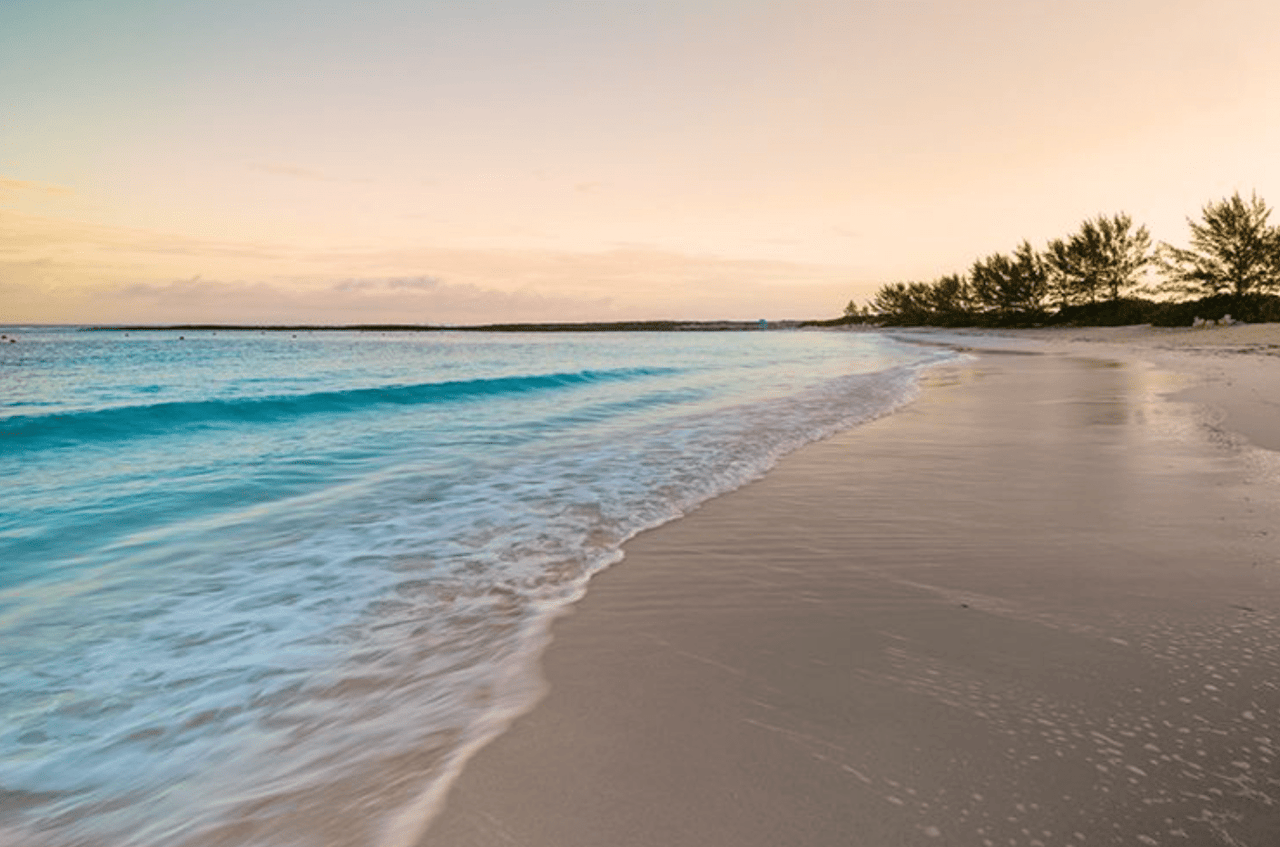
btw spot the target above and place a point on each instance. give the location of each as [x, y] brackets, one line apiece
[26, 233]
[290, 170]
[299, 172]
[422, 283]
[68, 271]
[8, 184]
[422, 300]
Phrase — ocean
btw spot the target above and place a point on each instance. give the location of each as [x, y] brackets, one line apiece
[273, 587]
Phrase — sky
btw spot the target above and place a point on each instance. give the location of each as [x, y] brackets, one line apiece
[474, 161]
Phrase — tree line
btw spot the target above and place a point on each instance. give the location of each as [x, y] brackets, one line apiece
[1099, 275]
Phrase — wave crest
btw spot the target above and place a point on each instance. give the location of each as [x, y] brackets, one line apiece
[34, 432]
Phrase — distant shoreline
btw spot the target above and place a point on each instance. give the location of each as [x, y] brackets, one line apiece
[610, 326]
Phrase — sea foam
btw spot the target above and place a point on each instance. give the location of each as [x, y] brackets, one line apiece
[276, 589]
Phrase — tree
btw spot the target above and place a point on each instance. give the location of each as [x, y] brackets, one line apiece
[903, 302]
[1010, 285]
[853, 310]
[1233, 251]
[1103, 255]
[949, 297]
[943, 302]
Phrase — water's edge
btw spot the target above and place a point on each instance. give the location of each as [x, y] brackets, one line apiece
[408, 828]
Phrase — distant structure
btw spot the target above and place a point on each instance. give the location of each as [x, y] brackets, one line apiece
[763, 324]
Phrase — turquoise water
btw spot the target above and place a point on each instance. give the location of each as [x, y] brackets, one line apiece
[274, 588]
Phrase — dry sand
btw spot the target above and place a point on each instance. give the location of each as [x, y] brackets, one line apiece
[1039, 606]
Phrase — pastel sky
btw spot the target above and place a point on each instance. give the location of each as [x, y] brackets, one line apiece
[463, 161]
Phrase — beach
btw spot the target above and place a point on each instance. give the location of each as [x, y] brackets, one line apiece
[1037, 606]
[267, 587]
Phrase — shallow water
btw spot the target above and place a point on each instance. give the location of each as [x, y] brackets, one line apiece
[273, 587]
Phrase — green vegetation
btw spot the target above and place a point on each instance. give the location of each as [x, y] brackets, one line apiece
[1096, 276]
[1104, 256]
[1232, 252]
[1008, 287]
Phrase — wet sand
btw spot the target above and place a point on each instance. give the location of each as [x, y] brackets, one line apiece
[1039, 606]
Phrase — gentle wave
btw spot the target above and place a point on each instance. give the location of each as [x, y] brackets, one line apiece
[31, 432]
[298, 634]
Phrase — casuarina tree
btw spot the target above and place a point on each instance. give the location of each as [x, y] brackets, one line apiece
[1105, 255]
[1233, 251]
[1010, 285]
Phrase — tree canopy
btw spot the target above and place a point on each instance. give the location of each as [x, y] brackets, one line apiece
[1010, 284]
[1103, 255]
[1232, 266]
[1233, 251]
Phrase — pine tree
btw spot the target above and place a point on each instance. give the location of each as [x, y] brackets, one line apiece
[1233, 251]
[1010, 285]
[1104, 255]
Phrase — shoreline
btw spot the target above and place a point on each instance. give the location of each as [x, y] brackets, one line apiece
[583, 326]
[1233, 371]
[922, 630]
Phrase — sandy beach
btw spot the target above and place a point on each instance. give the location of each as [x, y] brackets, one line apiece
[1038, 606]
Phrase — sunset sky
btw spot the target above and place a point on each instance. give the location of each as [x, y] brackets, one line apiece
[463, 161]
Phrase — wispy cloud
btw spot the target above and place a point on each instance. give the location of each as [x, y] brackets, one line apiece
[8, 184]
[301, 173]
[73, 271]
[422, 283]
[76, 241]
[411, 301]
[291, 170]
